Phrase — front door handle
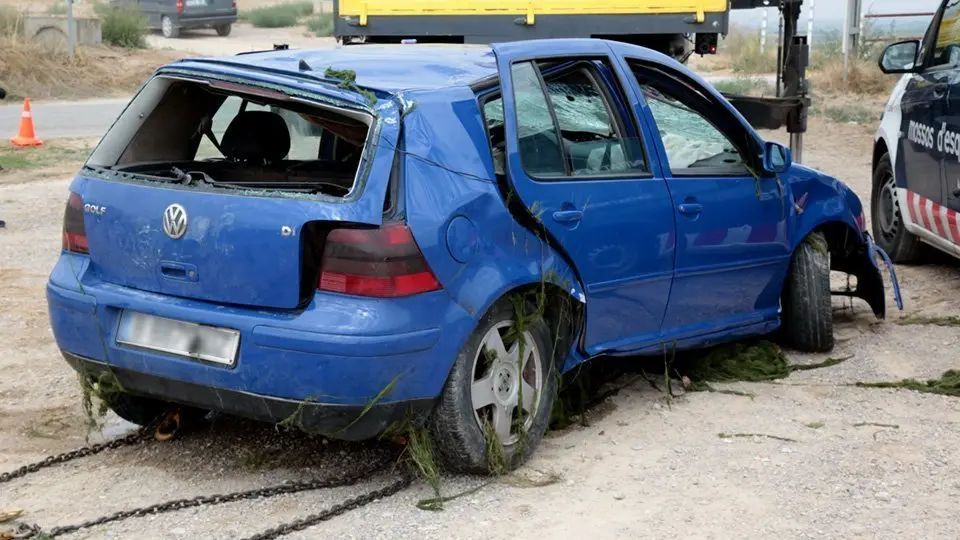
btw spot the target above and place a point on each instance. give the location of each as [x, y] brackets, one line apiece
[567, 216]
[690, 208]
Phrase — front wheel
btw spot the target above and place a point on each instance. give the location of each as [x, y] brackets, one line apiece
[887, 216]
[806, 308]
[499, 395]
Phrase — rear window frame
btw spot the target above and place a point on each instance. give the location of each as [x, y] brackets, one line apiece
[237, 86]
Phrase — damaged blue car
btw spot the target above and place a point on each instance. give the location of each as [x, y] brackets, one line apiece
[371, 237]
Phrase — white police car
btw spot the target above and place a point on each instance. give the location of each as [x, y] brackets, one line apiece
[916, 157]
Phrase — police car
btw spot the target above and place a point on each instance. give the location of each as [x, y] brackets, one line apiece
[915, 198]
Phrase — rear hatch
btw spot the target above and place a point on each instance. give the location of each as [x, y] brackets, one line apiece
[202, 9]
[208, 190]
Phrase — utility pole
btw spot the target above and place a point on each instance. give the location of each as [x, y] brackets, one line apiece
[851, 34]
[763, 32]
[71, 31]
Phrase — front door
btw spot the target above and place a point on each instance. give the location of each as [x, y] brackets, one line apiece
[733, 250]
[575, 159]
[943, 217]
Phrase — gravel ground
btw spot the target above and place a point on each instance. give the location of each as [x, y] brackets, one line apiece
[860, 463]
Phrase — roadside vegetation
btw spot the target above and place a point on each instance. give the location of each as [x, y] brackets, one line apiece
[853, 99]
[279, 16]
[123, 26]
[117, 68]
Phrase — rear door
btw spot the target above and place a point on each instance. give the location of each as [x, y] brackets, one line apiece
[576, 159]
[943, 217]
[733, 249]
[919, 164]
[220, 244]
[201, 9]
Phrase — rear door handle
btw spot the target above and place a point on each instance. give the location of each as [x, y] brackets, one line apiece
[567, 216]
[690, 208]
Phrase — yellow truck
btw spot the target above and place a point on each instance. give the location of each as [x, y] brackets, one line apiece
[664, 25]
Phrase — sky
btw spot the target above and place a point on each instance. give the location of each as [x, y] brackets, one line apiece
[833, 10]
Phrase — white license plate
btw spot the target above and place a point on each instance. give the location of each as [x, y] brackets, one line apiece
[195, 3]
[181, 338]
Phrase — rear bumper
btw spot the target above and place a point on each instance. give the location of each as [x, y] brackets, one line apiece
[345, 422]
[200, 21]
[342, 352]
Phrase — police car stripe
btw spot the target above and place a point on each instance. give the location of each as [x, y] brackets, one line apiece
[933, 217]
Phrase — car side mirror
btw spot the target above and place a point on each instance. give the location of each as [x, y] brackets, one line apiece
[776, 158]
[900, 57]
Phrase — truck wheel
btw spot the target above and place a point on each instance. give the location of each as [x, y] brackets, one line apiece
[168, 29]
[223, 30]
[806, 310]
[888, 228]
[490, 390]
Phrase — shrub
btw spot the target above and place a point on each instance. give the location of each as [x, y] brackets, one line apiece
[123, 26]
[11, 22]
[321, 25]
[743, 86]
[279, 16]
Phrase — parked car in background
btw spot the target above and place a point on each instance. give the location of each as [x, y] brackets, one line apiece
[466, 223]
[916, 156]
[172, 16]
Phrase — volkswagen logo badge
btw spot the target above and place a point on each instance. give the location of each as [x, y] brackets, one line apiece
[175, 221]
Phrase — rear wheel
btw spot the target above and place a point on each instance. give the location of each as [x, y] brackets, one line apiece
[495, 394]
[888, 224]
[807, 312]
[168, 29]
[223, 30]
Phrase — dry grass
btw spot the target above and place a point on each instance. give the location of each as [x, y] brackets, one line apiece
[863, 77]
[95, 72]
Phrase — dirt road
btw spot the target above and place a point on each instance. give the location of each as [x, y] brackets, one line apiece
[861, 463]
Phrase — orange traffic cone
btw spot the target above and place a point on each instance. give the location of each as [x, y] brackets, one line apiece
[26, 137]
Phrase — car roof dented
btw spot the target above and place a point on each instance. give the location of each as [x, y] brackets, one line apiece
[388, 68]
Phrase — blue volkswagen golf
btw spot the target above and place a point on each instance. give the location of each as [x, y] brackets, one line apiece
[377, 236]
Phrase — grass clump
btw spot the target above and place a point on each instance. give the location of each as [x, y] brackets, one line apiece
[743, 86]
[761, 361]
[947, 385]
[123, 26]
[321, 25]
[52, 153]
[909, 320]
[279, 16]
[11, 22]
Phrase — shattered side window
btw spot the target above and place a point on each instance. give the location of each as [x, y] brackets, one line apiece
[540, 150]
[565, 122]
[591, 135]
[690, 140]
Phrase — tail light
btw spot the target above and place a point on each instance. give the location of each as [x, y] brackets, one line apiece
[234, 4]
[384, 263]
[861, 222]
[179, 6]
[74, 231]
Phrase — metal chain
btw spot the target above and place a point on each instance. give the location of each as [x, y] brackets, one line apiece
[50, 461]
[336, 510]
[33, 531]
[211, 500]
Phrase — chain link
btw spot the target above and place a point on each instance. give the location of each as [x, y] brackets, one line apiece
[33, 531]
[129, 440]
[211, 500]
[336, 510]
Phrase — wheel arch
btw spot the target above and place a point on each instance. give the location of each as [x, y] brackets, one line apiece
[851, 252]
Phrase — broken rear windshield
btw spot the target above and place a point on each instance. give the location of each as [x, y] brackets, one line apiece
[232, 137]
